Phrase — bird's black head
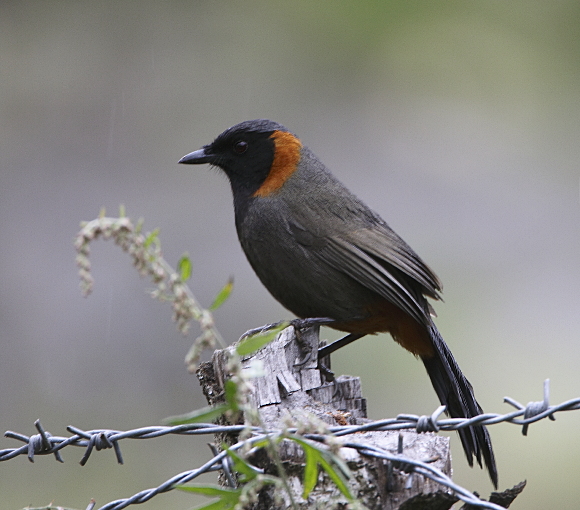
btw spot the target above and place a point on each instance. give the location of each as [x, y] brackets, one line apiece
[257, 156]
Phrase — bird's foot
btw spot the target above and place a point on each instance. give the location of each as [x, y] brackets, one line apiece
[298, 324]
[262, 329]
[301, 324]
[307, 336]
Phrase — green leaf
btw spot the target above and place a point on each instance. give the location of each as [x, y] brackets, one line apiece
[203, 415]
[267, 441]
[184, 267]
[223, 294]
[228, 498]
[255, 342]
[209, 490]
[310, 470]
[334, 466]
[242, 466]
[151, 237]
[336, 475]
[218, 505]
[231, 395]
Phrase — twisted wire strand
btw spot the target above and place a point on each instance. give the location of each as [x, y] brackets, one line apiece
[45, 443]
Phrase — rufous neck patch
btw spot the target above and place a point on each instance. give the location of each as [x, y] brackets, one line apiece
[286, 156]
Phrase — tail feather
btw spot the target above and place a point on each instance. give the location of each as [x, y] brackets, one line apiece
[456, 393]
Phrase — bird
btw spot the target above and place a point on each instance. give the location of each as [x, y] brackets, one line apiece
[323, 253]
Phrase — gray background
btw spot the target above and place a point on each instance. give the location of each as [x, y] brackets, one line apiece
[457, 121]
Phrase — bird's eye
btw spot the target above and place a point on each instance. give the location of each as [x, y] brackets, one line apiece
[240, 146]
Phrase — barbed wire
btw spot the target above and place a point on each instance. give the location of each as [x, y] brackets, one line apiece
[45, 443]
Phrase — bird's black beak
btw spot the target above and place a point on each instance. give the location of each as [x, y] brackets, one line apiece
[196, 158]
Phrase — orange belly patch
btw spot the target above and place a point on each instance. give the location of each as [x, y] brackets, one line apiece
[384, 317]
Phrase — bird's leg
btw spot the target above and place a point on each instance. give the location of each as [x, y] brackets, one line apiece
[307, 335]
[327, 350]
[324, 366]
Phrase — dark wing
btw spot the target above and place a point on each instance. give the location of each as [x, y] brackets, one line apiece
[387, 247]
[365, 269]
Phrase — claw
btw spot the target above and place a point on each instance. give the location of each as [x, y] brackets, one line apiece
[326, 373]
[312, 321]
[261, 329]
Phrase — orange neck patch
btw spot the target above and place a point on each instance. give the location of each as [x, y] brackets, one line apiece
[286, 156]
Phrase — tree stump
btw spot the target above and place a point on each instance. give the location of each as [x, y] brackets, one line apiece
[294, 388]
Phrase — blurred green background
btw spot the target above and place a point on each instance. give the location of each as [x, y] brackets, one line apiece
[457, 121]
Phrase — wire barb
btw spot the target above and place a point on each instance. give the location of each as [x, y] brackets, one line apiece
[424, 423]
[535, 411]
[38, 444]
[101, 440]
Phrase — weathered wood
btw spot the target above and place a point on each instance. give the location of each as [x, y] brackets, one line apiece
[294, 389]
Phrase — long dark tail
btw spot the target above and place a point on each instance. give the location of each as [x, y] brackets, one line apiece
[455, 392]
